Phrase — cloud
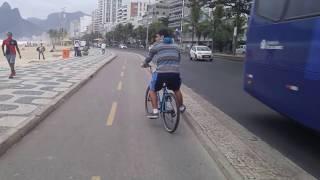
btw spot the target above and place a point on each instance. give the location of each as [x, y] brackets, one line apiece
[41, 8]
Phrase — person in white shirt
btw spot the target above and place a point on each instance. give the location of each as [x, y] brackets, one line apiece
[103, 48]
[76, 49]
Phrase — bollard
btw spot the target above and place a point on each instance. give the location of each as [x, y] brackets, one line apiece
[65, 54]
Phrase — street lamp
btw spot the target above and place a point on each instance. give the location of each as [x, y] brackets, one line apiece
[182, 19]
[147, 39]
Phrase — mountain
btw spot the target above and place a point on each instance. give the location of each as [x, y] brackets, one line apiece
[11, 20]
[56, 20]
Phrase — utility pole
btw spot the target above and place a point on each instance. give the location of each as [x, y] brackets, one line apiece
[235, 31]
[62, 24]
[147, 39]
[182, 22]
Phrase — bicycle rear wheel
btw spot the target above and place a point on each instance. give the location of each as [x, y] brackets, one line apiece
[148, 103]
[171, 113]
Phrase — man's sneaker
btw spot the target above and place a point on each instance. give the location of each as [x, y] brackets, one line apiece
[153, 116]
[182, 108]
[11, 76]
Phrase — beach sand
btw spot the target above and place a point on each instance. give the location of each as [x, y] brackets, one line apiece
[30, 56]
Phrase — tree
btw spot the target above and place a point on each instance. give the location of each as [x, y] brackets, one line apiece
[57, 36]
[239, 10]
[195, 8]
[164, 21]
[140, 34]
[203, 30]
[128, 31]
[91, 37]
[238, 6]
[53, 34]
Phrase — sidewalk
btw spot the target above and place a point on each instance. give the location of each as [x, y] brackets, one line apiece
[37, 90]
[238, 152]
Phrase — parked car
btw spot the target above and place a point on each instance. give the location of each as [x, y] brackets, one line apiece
[241, 49]
[122, 46]
[201, 53]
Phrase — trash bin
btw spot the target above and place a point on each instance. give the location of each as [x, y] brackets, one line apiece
[66, 53]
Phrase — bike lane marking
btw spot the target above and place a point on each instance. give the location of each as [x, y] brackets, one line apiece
[112, 114]
[119, 86]
[95, 178]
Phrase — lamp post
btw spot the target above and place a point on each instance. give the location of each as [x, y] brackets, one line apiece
[182, 21]
[147, 39]
[235, 30]
[62, 24]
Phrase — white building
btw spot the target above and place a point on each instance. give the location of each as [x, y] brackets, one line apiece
[74, 29]
[109, 10]
[133, 12]
[96, 21]
[159, 9]
[85, 22]
[176, 12]
[123, 16]
[106, 14]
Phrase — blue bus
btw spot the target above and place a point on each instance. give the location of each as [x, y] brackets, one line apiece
[282, 67]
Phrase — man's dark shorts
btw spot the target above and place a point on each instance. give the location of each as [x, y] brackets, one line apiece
[11, 58]
[172, 80]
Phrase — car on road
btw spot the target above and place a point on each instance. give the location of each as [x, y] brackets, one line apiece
[201, 53]
[122, 46]
[241, 49]
[141, 46]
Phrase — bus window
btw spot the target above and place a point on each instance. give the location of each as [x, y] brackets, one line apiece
[271, 9]
[302, 8]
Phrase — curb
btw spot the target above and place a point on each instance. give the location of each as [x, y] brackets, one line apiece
[16, 134]
[229, 58]
[226, 168]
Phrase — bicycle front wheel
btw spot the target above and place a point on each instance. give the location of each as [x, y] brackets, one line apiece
[171, 113]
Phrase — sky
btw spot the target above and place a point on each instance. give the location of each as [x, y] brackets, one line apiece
[42, 8]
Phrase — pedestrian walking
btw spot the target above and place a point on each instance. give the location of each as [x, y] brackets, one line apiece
[77, 49]
[9, 49]
[103, 48]
[41, 49]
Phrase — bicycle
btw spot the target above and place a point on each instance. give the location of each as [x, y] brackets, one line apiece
[168, 107]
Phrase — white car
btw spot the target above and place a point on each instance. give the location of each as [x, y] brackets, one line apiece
[241, 49]
[122, 46]
[201, 53]
[150, 47]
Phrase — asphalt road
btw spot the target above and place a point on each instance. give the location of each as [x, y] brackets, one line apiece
[101, 133]
[220, 82]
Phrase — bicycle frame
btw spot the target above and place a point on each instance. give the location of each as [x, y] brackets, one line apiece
[161, 100]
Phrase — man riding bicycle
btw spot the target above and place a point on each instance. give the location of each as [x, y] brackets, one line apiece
[166, 55]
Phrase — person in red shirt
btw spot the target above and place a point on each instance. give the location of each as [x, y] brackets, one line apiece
[9, 49]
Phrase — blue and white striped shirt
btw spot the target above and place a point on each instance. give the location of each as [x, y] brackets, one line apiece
[166, 55]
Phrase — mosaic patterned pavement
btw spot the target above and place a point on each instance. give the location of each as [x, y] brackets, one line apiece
[39, 84]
